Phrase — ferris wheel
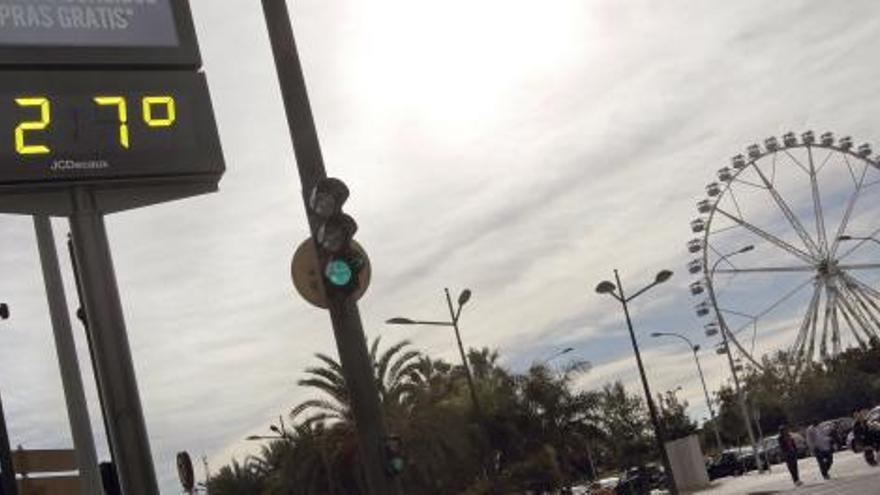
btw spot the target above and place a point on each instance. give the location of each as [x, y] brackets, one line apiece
[787, 251]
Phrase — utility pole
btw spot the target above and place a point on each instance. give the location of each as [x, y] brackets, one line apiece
[347, 327]
[71, 378]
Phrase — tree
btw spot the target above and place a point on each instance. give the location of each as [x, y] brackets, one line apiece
[624, 419]
[673, 415]
[237, 478]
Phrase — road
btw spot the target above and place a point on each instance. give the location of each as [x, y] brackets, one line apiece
[850, 474]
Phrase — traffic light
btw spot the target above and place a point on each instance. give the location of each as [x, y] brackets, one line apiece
[394, 460]
[341, 261]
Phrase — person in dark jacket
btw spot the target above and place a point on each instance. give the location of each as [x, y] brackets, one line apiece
[789, 453]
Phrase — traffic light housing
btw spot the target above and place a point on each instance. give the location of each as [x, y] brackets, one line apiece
[340, 263]
[394, 460]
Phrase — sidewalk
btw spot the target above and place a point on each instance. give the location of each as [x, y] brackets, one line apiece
[849, 475]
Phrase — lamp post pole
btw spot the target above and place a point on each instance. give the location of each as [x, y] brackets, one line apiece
[724, 333]
[659, 432]
[857, 238]
[454, 315]
[695, 349]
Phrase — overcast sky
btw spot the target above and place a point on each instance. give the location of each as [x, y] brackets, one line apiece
[520, 148]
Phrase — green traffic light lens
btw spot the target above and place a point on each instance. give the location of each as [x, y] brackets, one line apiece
[338, 273]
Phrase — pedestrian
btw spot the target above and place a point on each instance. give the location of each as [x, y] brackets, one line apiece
[789, 453]
[820, 445]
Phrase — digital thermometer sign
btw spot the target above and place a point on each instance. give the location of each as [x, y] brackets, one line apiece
[88, 127]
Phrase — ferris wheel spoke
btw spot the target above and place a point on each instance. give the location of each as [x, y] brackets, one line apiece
[789, 215]
[788, 295]
[847, 311]
[861, 302]
[732, 338]
[769, 237]
[768, 269]
[817, 203]
[798, 162]
[825, 161]
[851, 203]
[829, 308]
[809, 317]
[865, 287]
[860, 266]
[749, 183]
[735, 202]
[858, 245]
[852, 326]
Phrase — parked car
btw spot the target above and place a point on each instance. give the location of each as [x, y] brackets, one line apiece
[772, 450]
[604, 486]
[640, 480]
[746, 457]
[838, 430]
[873, 416]
[725, 464]
[801, 444]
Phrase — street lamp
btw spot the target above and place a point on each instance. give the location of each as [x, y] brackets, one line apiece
[555, 355]
[856, 238]
[726, 346]
[616, 291]
[695, 349]
[454, 315]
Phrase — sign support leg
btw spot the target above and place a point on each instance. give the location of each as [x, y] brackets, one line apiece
[112, 354]
[7, 476]
[77, 409]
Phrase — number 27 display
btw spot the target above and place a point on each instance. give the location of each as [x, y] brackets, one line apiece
[97, 126]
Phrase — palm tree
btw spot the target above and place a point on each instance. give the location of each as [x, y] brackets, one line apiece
[238, 478]
[393, 370]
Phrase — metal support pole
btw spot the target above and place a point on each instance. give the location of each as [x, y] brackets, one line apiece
[724, 331]
[739, 395]
[112, 353]
[7, 476]
[85, 322]
[659, 433]
[464, 361]
[708, 401]
[351, 343]
[71, 379]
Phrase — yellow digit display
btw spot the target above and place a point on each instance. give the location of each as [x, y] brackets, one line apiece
[39, 125]
[119, 102]
[170, 112]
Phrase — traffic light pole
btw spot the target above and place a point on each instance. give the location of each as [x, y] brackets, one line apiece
[347, 328]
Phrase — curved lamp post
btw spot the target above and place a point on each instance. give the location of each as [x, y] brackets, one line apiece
[616, 291]
[454, 315]
[747, 419]
[555, 355]
[695, 349]
[857, 238]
